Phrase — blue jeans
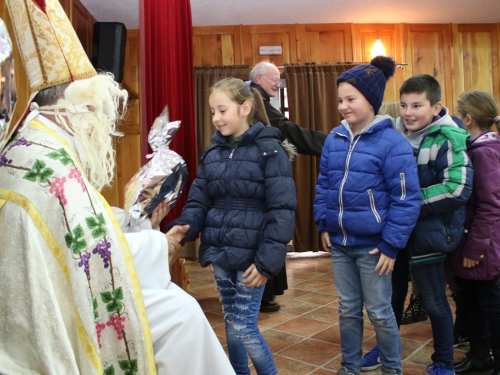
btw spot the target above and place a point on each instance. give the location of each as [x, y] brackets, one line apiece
[431, 286]
[356, 282]
[241, 308]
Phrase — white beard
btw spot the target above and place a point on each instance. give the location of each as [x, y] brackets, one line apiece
[89, 112]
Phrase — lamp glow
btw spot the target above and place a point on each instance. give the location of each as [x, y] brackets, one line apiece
[378, 49]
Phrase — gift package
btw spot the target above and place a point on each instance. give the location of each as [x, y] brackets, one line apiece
[161, 178]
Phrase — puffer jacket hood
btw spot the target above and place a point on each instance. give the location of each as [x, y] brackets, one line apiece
[243, 201]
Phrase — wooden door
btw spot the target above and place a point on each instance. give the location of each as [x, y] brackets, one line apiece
[216, 45]
[365, 36]
[256, 36]
[476, 58]
[324, 43]
[427, 50]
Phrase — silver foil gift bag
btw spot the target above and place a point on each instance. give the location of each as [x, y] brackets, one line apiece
[161, 178]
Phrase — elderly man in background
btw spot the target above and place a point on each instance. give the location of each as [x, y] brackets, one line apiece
[78, 295]
[265, 77]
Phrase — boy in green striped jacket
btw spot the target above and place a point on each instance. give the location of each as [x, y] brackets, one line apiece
[445, 176]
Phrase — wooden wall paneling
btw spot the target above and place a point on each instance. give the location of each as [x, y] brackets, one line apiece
[216, 45]
[254, 36]
[364, 38]
[67, 5]
[322, 43]
[427, 49]
[81, 20]
[476, 58]
[128, 148]
[132, 63]
[128, 164]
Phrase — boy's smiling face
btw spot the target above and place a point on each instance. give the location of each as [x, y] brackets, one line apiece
[355, 108]
[416, 111]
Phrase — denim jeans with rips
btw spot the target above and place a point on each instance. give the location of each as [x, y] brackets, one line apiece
[241, 306]
[357, 282]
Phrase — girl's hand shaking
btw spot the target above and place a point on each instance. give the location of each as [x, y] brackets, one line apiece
[253, 277]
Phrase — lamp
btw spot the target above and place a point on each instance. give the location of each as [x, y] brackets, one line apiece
[378, 50]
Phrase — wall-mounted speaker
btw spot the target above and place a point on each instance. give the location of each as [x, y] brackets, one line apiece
[108, 48]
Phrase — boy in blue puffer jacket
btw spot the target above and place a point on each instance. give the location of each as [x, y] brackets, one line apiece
[367, 203]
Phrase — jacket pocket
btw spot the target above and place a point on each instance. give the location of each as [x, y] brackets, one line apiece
[403, 186]
[373, 207]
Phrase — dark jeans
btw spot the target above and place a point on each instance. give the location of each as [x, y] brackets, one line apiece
[483, 300]
[429, 279]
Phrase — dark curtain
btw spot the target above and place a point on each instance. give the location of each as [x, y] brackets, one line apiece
[312, 103]
[204, 78]
[167, 77]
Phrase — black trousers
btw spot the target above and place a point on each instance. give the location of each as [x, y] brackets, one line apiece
[400, 284]
[483, 303]
[275, 286]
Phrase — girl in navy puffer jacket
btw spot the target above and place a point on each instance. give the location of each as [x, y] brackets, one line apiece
[243, 201]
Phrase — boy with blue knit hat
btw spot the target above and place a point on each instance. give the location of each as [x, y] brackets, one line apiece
[367, 203]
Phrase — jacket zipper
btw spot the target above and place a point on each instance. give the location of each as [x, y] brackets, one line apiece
[372, 205]
[341, 202]
[403, 186]
[447, 233]
[229, 199]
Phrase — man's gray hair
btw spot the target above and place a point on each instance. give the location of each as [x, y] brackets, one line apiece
[50, 95]
[260, 68]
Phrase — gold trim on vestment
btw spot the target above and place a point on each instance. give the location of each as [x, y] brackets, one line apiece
[134, 279]
[53, 245]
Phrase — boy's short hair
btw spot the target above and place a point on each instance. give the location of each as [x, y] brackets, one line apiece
[422, 83]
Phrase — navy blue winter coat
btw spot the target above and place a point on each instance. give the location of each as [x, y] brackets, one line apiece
[367, 193]
[243, 201]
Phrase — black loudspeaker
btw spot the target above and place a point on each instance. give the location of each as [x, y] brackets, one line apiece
[108, 48]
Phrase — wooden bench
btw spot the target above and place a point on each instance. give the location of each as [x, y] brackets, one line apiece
[178, 272]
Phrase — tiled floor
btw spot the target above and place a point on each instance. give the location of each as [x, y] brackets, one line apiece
[304, 334]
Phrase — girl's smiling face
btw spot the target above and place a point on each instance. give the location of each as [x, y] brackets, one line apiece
[228, 117]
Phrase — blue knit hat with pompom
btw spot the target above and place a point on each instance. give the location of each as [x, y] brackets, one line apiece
[371, 79]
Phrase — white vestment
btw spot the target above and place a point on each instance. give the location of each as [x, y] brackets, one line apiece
[61, 289]
[183, 340]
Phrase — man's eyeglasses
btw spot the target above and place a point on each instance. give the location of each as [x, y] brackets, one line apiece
[275, 80]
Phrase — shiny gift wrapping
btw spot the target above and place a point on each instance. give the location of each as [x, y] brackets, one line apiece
[160, 179]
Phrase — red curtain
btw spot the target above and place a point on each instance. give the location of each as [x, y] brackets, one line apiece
[167, 77]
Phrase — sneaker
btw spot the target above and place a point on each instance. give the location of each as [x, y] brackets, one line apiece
[415, 311]
[371, 361]
[344, 371]
[436, 369]
[390, 371]
[460, 340]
